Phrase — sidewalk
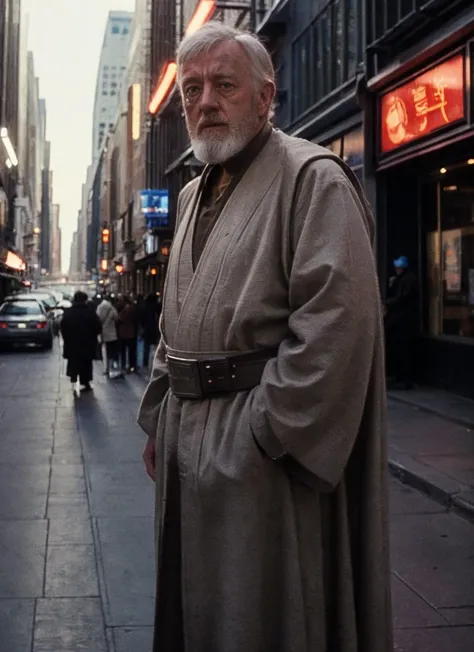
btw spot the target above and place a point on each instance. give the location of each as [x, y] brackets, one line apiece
[431, 445]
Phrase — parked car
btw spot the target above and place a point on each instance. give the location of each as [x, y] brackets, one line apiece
[25, 322]
[47, 300]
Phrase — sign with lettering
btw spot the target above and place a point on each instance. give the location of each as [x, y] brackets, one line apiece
[427, 103]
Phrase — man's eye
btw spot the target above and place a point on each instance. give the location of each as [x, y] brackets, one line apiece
[225, 86]
[192, 91]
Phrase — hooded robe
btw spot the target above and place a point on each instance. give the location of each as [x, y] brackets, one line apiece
[271, 504]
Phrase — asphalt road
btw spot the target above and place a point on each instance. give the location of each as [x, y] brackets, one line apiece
[76, 530]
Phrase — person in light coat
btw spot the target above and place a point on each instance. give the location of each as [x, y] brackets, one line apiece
[108, 317]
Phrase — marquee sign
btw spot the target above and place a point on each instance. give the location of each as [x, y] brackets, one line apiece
[425, 104]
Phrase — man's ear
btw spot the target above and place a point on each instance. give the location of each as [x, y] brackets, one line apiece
[265, 98]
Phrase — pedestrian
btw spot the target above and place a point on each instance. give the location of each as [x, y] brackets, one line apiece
[80, 328]
[127, 332]
[265, 413]
[149, 317]
[401, 321]
[108, 317]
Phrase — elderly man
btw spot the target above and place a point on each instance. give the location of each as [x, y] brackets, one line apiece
[266, 407]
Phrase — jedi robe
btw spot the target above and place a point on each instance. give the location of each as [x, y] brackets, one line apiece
[271, 504]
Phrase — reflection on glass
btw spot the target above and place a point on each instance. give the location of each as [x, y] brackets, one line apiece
[457, 252]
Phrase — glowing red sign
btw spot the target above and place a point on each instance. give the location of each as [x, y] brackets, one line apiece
[427, 103]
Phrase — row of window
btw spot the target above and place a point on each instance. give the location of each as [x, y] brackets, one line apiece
[326, 54]
[119, 29]
[385, 14]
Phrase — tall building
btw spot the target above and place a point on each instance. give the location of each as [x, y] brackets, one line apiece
[45, 222]
[55, 241]
[112, 67]
[74, 263]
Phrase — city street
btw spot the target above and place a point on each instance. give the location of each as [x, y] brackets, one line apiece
[76, 526]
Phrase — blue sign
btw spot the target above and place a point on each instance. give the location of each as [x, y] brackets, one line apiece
[154, 208]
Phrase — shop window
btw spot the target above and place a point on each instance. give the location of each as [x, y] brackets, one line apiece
[353, 148]
[450, 257]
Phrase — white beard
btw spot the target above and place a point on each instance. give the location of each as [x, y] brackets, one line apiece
[214, 148]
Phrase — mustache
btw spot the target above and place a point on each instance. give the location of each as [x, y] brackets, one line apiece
[212, 123]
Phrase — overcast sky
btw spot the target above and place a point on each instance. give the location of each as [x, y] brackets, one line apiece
[66, 38]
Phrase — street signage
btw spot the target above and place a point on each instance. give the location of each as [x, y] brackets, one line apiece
[423, 105]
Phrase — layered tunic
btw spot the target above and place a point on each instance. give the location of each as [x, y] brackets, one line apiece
[271, 504]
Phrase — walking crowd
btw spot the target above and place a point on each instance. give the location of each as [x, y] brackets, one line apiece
[121, 332]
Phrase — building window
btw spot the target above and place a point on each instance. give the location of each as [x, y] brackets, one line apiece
[115, 29]
[326, 55]
[113, 93]
[125, 31]
[302, 56]
[104, 93]
[102, 125]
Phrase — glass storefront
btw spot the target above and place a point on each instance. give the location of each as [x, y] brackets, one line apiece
[450, 253]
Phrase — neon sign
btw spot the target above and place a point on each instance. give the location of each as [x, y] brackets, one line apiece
[429, 102]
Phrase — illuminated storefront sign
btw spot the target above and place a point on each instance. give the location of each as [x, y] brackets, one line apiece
[425, 104]
[15, 262]
[154, 207]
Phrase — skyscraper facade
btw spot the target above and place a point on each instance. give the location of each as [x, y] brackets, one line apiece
[112, 67]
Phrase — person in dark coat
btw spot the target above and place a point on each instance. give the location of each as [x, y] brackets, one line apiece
[80, 328]
[149, 316]
[401, 321]
[127, 327]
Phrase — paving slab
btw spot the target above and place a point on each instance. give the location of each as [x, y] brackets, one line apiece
[133, 639]
[433, 554]
[16, 625]
[71, 572]
[22, 558]
[128, 561]
[70, 530]
[69, 625]
[63, 505]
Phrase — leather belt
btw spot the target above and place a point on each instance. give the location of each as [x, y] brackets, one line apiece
[200, 379]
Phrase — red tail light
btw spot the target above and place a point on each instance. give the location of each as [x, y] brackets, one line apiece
[42, 324]
[3, 324]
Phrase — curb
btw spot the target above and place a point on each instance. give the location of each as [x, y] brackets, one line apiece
[462, 503]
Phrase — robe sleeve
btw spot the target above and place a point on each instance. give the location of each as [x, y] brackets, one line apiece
[158, 386]
[309, 405]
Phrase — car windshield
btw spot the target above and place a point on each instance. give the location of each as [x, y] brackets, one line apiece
[47, 299]
[20, 308]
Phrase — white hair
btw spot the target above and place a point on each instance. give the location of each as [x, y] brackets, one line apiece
[214, 33]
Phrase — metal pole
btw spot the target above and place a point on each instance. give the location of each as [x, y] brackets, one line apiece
[253, 15]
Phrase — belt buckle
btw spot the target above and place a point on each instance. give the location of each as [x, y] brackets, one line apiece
[185, 379]
[217, 375]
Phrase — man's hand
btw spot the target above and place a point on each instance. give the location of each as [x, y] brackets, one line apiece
[149, 458]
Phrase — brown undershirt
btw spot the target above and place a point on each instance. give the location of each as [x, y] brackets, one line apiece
[218, 186]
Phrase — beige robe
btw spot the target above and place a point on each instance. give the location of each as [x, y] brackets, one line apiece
[257, 554]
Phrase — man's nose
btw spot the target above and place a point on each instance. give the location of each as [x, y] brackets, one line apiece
[208, 100]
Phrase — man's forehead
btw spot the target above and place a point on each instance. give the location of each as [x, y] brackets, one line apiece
[222, 58]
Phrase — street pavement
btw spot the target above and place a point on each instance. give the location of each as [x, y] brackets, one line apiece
[76, 525]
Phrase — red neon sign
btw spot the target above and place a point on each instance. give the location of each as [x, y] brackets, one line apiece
[167, 81]
[425, 104]
[203, 12]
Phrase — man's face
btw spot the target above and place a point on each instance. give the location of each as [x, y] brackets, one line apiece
[224, 110]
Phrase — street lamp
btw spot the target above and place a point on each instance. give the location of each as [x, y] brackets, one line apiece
[36, 230]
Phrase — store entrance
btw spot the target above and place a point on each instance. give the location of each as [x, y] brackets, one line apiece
[449, 237]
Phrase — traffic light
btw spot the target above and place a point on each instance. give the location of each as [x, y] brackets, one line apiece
[104, 265]
[105, 235]
[153, 271]
[119, 268]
